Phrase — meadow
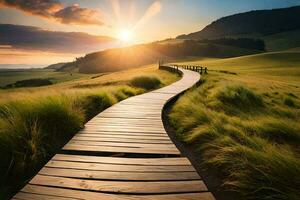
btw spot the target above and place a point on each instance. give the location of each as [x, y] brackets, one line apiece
[36, 122]
[243, 121]
[12, 76]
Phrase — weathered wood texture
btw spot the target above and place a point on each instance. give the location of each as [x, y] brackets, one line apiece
[132, 127]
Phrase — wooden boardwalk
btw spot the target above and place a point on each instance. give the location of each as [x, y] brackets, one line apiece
[122, 153]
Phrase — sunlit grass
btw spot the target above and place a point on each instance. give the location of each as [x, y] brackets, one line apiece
[273, 67]
[36, 122]
[246, 131]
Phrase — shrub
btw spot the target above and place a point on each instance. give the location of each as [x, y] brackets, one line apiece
[146, 82]
[292, 95]
[95, 103]
[30, 83]
[289, 102]
[240, 97]
[125, 92]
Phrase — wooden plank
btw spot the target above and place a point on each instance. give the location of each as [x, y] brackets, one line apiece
[130, 115]
[135, 126]
[121, 133]
[29, 196]
[73, 147]
[124, 176]
[120, 119]
[124, 161]
[119, 144]
[101, 139]
[130, 123]
[115, 134]
[133, 107]
[118, 167]
[123, 129]
[142, 137]
[136, 187]
[115, 117]
[99, 196]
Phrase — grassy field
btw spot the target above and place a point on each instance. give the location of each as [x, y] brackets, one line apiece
[283, 66]
[36, 122]
[246, 125]
[282, 41]
[9, 77]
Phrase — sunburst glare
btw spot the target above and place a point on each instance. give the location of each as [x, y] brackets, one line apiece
[126, 35]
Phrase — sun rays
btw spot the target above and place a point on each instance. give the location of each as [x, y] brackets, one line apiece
[126, 25]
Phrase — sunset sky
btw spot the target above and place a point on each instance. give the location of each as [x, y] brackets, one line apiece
[38, 32]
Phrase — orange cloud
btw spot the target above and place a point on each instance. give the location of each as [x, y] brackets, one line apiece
[76, 15]
[55, 10]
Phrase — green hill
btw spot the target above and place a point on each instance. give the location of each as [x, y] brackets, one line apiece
[283, 66]
[56, 66]
[138, 55]
[282, 41]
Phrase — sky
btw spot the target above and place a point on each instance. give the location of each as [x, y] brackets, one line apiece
[43, 32]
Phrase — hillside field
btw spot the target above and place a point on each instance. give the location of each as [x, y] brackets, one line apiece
[11, 76]
[243, 122]
[282, 67]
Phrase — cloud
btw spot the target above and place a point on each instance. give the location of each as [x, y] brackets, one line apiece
[75, 14]
[55, 10]
[34, 38]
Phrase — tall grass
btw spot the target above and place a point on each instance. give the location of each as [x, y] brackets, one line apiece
[31, 131]
[146, 82]
[33, 127]
[238, 132]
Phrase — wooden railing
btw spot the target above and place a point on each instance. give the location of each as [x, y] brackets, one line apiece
[200, 69]
[174, 68]
[171, 68]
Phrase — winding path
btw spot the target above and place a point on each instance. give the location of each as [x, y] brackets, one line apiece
[122, 153]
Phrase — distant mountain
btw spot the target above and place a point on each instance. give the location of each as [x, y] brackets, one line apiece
[251, 24]
[56, 66]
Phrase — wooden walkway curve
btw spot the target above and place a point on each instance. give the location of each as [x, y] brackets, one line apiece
[122, 153]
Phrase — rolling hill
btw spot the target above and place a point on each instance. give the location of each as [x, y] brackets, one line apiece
[255, 23]
[56, 66]
[282, 66]
[138, 55]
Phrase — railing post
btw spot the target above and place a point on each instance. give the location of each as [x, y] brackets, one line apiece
[205, 71]
[201, 70]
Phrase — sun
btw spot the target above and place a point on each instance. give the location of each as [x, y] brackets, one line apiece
[125, 35]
